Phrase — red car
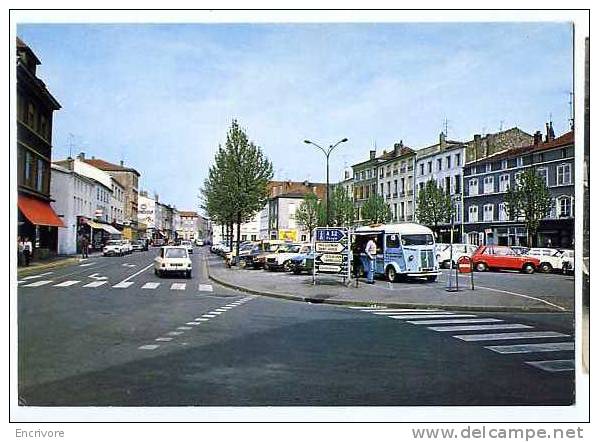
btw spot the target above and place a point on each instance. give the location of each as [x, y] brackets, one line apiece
[502, 258]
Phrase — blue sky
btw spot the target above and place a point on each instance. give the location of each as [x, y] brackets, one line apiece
[161, 97]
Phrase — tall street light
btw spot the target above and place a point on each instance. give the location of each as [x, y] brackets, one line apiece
[327, 153]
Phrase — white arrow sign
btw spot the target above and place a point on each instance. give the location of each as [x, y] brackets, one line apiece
[329, 247]
[95, 276]
[329, 258]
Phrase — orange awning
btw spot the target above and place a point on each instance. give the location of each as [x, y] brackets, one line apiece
[39, 212]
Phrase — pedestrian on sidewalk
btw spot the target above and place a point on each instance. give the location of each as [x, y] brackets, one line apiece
[84, 247]
[27, 250]
[371, 257]
[19, 251]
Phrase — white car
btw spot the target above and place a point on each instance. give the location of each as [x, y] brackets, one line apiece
[281, 259]
[551, 259]
[189, 246]
[568, 261]
[172, 259]
[127, 246]
[445, 255]
[113, 248]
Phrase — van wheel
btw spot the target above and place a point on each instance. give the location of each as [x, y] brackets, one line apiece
[431, 278]
[391, 274]
[287, 266]
[188, 274]
[528, 268]
[545, 267]
[481, 267]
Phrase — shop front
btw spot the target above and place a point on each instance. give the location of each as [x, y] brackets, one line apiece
[97, 233]
[38, 222]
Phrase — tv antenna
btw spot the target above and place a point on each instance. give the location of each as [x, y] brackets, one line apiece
[571, 105]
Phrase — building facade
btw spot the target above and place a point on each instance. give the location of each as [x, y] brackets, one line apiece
[486, 182]
[35, 113]
[189, 226]
[365, 182]
[395, 172]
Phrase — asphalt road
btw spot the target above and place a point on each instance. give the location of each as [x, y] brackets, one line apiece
[180, 342]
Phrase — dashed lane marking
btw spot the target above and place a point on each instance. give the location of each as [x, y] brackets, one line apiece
[41, 275]
[123, 285]
[454, 321]
[215, 313]
[413, 312]
[192, 323]
[129, 265]
[402, 310]
[202, 319]
[178, 286]
[163, 339]
[38, 283]
[149, 347]
[519, 335]
[95, 284]
[66, 283]
[455, 328]
[555, 365]
[432, 316]
[220, 309]
[532, 348]
[205, 288]
[184, 328]
[150, 285]
[209, 316]
[174, 333]
[87, 264]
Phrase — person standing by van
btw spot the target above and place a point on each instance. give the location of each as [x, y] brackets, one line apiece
[371, 257]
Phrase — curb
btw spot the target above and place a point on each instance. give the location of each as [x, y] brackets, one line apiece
[383, 304]
[51, 265]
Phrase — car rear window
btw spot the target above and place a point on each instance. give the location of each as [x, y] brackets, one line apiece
[417, 240]
[175, 253]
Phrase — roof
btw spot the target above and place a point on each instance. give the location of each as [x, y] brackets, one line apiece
[105, 165]
[188, 213]
[563, 140]
[399, 228]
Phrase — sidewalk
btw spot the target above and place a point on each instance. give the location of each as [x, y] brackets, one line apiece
[416, 294]
[51, 263]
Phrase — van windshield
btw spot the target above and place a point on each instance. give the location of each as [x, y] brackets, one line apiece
[417, 240]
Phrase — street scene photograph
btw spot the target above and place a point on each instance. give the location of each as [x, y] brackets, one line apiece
[299, 214]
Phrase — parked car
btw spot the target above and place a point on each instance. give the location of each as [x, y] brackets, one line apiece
[303, 262]
[113, 248]
[137, 246]
[172, 259]
[448, 259]
[503, 258]
[256, 256]
[520, 250]
[158, 242]
[189, 246]
[244, 249]
[568, 261]
[145, 242]
[281, 259]
[127, 246]
[199, 242]
[551, 259]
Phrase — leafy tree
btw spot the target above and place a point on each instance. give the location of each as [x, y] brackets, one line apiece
[306, 215]
[343, 212]
[375, 210]
[529, 199]
[433, 206]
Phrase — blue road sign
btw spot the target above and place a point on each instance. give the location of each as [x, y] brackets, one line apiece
[329, 235]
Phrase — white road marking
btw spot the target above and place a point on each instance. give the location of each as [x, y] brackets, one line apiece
[95, 276]
[129, 265]
[434, 316]
[523, 296]
[149, 347]
[215, 313]
[205, 288]
[415, 312]
[175, 333]
[123, 285]
[220, 309]
[208, 316]
[178, 286]
[66, 283]
[184, 328]
[519, 335]
[150, 285]
[231, 305]
[454, 321]
[86, 264]
[226, 308]
[95, 284]
[556, 365]
[192, 323]
[532, 348]
[368, 308]
[202, 319]
[454, 328]
[41, 275]
[38, 283]
[163, 339]
[138, 272]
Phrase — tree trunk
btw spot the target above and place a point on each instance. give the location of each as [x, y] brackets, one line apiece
[238, 234]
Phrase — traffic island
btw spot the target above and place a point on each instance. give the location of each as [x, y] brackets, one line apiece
[413, 294]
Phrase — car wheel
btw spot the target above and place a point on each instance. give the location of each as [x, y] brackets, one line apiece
[155, 272]
[391, 274]
[431, 278]
[545, 267]
[160, 274]
[188, 274]
[297, 271]
[287, 266]
[481, 267]
[528, 268]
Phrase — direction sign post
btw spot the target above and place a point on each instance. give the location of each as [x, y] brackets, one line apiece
[331, 247]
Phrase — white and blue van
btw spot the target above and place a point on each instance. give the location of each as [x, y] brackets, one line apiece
[405, 250]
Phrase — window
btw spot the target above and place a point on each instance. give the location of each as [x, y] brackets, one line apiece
[457, 183]
[28, 167]
[382, 189]
[473, 214]
[488, 212]
[542, 172]
[388, 188]
[504, 164]
[504, 182]
[563, 174]
[448, 161]
[244, 237]
[439, 164]
[488, 184]
[31, 116]
[392, 241]
[402, 210]
[417, 240]
[564, 206]
[448, 185]
[520, 161]
[403, 185]
[488, 167]
[458, 159]
[517, 177]
[430, 166]
[473, 186]
[395, 186]
[395, 211]
[39, 179]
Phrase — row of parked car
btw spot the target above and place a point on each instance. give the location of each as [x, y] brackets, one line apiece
[528, 260]
[120, 247]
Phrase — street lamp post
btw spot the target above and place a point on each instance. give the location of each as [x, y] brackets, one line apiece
[327, 153]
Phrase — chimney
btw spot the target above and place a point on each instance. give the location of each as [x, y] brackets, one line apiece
[537, 138]
[442, 140]
[550, 133]
[477, 147]
[93, 157]
[81, 155]
[372, 154]
[122, 163]
[70, 163]
[397, 148]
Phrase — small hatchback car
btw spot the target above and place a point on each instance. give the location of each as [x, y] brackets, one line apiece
[503, 258]
[172, 259]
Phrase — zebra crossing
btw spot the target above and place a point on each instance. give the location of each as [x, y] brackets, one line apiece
[471, 328]
[32, 282]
